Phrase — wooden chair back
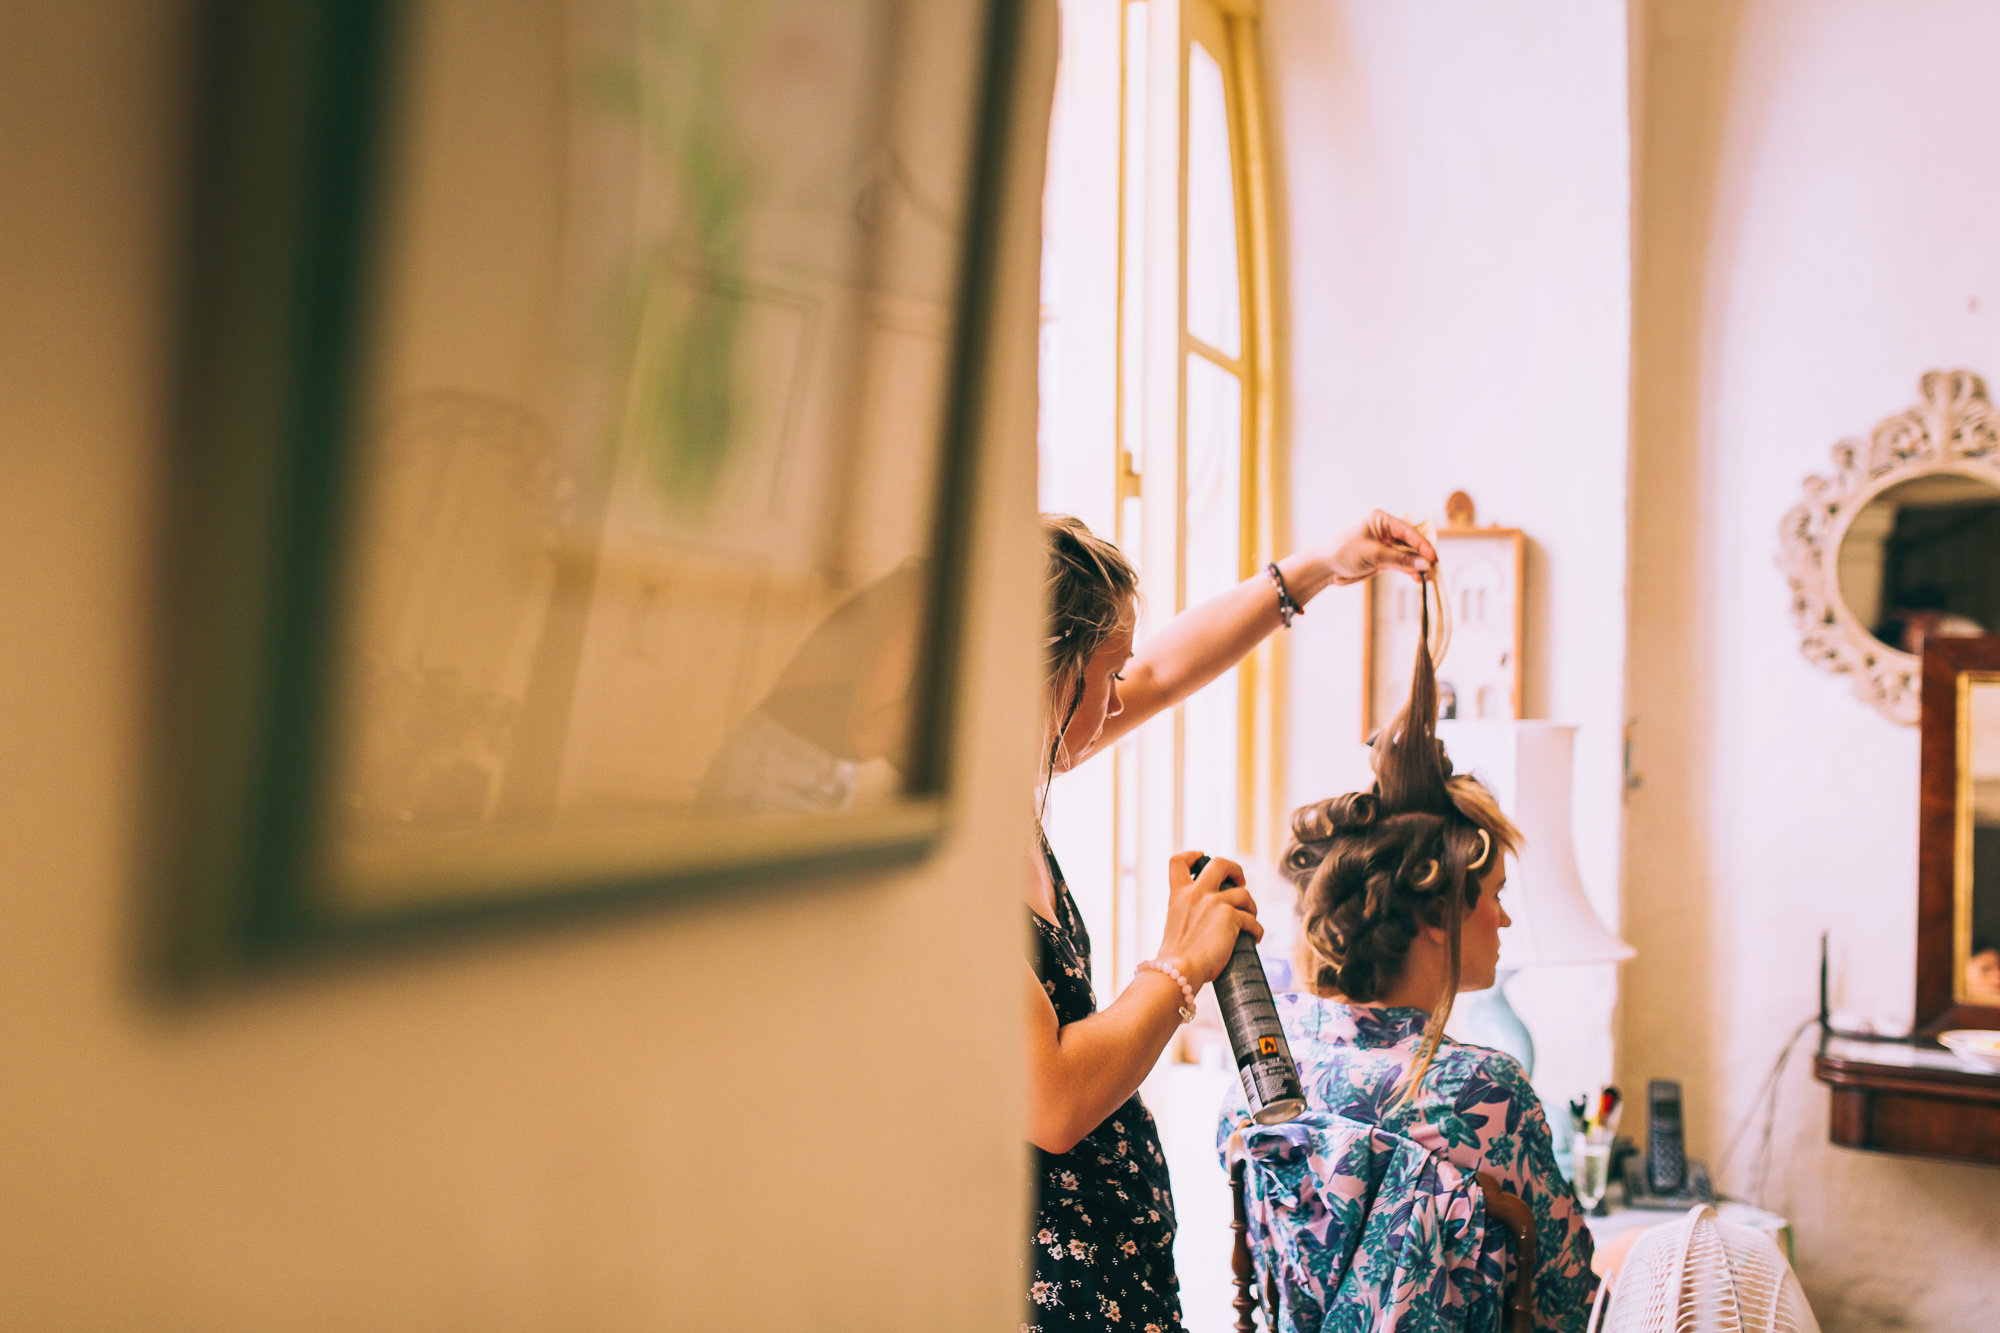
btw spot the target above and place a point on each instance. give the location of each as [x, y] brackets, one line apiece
[1510, 1212]
[1502, 1207]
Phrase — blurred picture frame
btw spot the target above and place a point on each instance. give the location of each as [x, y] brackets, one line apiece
[1484, 571]
[570, 491]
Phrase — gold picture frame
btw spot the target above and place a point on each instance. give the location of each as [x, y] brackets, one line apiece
[1485, 577]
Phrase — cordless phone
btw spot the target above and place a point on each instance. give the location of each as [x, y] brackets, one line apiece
[1666, 1150]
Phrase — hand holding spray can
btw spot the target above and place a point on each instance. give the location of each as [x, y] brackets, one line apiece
[1263, 1057]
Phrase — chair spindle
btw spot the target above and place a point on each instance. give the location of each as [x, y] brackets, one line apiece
[1240, 1261]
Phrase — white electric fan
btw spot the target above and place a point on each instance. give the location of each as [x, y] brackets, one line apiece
[1703, 1275]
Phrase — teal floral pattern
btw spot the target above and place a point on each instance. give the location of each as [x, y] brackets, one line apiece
[1381, 1198]
[1367, 1230]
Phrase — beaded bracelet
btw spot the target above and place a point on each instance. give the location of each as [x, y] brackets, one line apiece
[1173, 974]
[1287, 608]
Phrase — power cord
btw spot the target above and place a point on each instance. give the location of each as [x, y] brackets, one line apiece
[1768, 1091]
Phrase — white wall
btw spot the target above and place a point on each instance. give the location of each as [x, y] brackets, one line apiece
[1454, 217]
[551, 1132]
[1818, 183]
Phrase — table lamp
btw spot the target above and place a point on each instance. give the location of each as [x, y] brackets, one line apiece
[1526, 765]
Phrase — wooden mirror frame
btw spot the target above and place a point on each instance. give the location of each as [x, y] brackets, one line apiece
[1938, 853]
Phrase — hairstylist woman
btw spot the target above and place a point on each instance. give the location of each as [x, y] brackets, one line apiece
[1102, 1234]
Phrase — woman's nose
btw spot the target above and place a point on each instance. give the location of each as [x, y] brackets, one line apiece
[1115, 704]
[1505, 920]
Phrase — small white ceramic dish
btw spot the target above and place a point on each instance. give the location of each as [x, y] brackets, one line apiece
[1975, 1047]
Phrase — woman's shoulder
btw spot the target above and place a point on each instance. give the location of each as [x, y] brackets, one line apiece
[1476, 1108]
[1481, 1073]
[1478, 1100]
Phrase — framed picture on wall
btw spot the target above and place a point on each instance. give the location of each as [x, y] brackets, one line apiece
[1483, 571]
[571, 492]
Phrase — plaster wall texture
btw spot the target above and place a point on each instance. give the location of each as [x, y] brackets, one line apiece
[543, 1132]
[1454, 235]
[1815, 189]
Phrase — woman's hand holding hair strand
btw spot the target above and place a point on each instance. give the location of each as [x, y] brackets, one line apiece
[1206, 640]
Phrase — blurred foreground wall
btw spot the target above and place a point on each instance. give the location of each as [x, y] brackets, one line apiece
[700, 1117]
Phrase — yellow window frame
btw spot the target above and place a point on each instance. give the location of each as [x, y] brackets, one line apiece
[1229, 31]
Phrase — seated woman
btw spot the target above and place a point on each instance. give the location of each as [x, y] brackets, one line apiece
[1399, 906]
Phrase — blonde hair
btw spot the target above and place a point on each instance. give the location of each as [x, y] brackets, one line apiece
[1091, 591]
[1375, 867]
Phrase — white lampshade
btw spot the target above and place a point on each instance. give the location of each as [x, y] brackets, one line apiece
[1527, 767]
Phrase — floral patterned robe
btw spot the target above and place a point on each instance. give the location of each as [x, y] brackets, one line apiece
[1475, 1110]
[1366, 1232]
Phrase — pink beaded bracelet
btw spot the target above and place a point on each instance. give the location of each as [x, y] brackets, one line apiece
[1173, 974]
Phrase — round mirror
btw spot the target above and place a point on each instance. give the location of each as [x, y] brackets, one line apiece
[1901, 542]
[1922, 560]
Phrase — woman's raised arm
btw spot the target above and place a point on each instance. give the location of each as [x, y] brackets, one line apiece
[1204, 641]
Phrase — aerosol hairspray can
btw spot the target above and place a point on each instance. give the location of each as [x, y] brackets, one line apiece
[1263, 1057]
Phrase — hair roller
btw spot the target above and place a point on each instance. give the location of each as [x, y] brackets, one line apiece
[1310, 823]
[1356, 810]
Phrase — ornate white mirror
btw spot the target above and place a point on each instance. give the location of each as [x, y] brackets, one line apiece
[1901, 543]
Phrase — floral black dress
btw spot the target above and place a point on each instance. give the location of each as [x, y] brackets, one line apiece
[1102, 1251]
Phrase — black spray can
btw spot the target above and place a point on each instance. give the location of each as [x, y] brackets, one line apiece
[1263, 1056]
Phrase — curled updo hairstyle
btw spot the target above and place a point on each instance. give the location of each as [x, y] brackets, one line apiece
[1375, 867]
[1090, 589]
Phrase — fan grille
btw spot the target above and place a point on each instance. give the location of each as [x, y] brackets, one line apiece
[1704, 1275]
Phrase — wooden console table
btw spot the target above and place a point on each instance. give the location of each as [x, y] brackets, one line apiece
[1917, 1100]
